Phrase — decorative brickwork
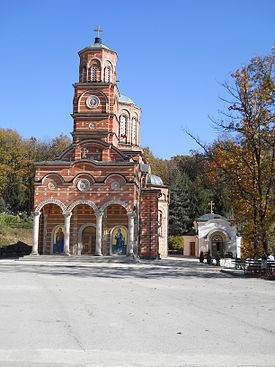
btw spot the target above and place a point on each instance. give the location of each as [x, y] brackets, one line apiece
[97, 194]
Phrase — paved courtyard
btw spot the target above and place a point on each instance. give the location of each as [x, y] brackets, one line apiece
[173, 312]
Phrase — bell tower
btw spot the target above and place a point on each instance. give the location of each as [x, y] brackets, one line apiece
[96, 94]
[100, 112]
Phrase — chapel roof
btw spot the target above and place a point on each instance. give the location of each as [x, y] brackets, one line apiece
[210, 216]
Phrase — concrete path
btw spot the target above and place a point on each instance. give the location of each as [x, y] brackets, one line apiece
[173, 312]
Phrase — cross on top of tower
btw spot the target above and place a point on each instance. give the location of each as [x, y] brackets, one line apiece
[98, 30]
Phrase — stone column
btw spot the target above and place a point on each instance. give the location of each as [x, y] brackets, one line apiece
[99, 217]
[36, 217]
[131, 231]
[67, 234]
[45, 218]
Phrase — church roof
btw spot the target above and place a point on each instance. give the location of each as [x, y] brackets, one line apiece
[155, 180]
[124, 99]
[210, 216]
[98, 45]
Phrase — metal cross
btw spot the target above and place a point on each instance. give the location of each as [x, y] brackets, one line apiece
[98, 30]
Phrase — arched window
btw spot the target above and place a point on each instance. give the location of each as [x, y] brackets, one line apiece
[123, 125]
[107, 75]
[134, 132]
[94, 72]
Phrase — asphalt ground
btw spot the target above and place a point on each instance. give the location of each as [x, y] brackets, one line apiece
[172, 312]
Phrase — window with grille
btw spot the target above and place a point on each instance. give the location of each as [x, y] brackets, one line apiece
[134, 130]
[94, 72]
[123, 125]
[107, 75]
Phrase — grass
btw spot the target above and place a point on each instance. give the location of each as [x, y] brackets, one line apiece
[14, 229]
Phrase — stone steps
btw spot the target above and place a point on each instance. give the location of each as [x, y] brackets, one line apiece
[81, 259]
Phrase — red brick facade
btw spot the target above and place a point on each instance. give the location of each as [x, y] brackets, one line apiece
[100, 184]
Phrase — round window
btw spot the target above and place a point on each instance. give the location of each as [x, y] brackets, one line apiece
[83, 184]
[92, 102]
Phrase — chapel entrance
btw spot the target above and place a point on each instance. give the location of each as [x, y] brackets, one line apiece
[217, 245]
[88, 241]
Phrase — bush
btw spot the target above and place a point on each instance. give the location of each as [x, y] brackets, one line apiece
[201, 257]
[14, 221]
[175, 243]
[209, 258]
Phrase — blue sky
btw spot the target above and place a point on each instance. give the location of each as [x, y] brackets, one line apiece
[173, 55]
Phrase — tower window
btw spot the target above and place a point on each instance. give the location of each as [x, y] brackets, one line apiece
[94, 72]
[107, 75]
[123, 125]
[134, 130]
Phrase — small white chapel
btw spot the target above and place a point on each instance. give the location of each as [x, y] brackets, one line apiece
[215, 233]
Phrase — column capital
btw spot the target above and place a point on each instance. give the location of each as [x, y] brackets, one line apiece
[131, 215]
[99, 214]
[67, 214]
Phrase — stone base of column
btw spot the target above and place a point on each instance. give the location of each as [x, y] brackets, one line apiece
[98, 254]
[34, 254]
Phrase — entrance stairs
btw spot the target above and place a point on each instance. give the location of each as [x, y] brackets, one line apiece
[80, 259]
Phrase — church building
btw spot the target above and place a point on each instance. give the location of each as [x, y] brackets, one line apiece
[99, 196]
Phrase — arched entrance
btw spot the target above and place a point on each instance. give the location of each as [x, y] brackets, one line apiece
[217, 245]
[88, 240]
[51, 230]
[83, 228]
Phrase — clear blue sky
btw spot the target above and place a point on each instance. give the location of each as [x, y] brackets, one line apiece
[172, 56]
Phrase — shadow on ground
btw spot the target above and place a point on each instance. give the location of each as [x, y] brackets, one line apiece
[154, 270]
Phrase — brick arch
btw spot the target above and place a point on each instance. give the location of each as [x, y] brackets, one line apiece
[48, 175]
[94, 59]
[92, 91]
[111, 175]
[84, 174]
[50, 201]
[90, 203]
[116, 202]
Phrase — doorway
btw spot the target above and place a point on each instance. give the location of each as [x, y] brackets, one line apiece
[192, 248]
[217, 245]
[88, 241]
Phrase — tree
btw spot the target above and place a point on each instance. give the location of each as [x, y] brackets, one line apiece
[247, 159]
[159, 166]
[179, 209]
[17, 157]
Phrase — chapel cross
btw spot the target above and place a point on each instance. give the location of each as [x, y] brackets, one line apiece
[211, 206]
[98, 30]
